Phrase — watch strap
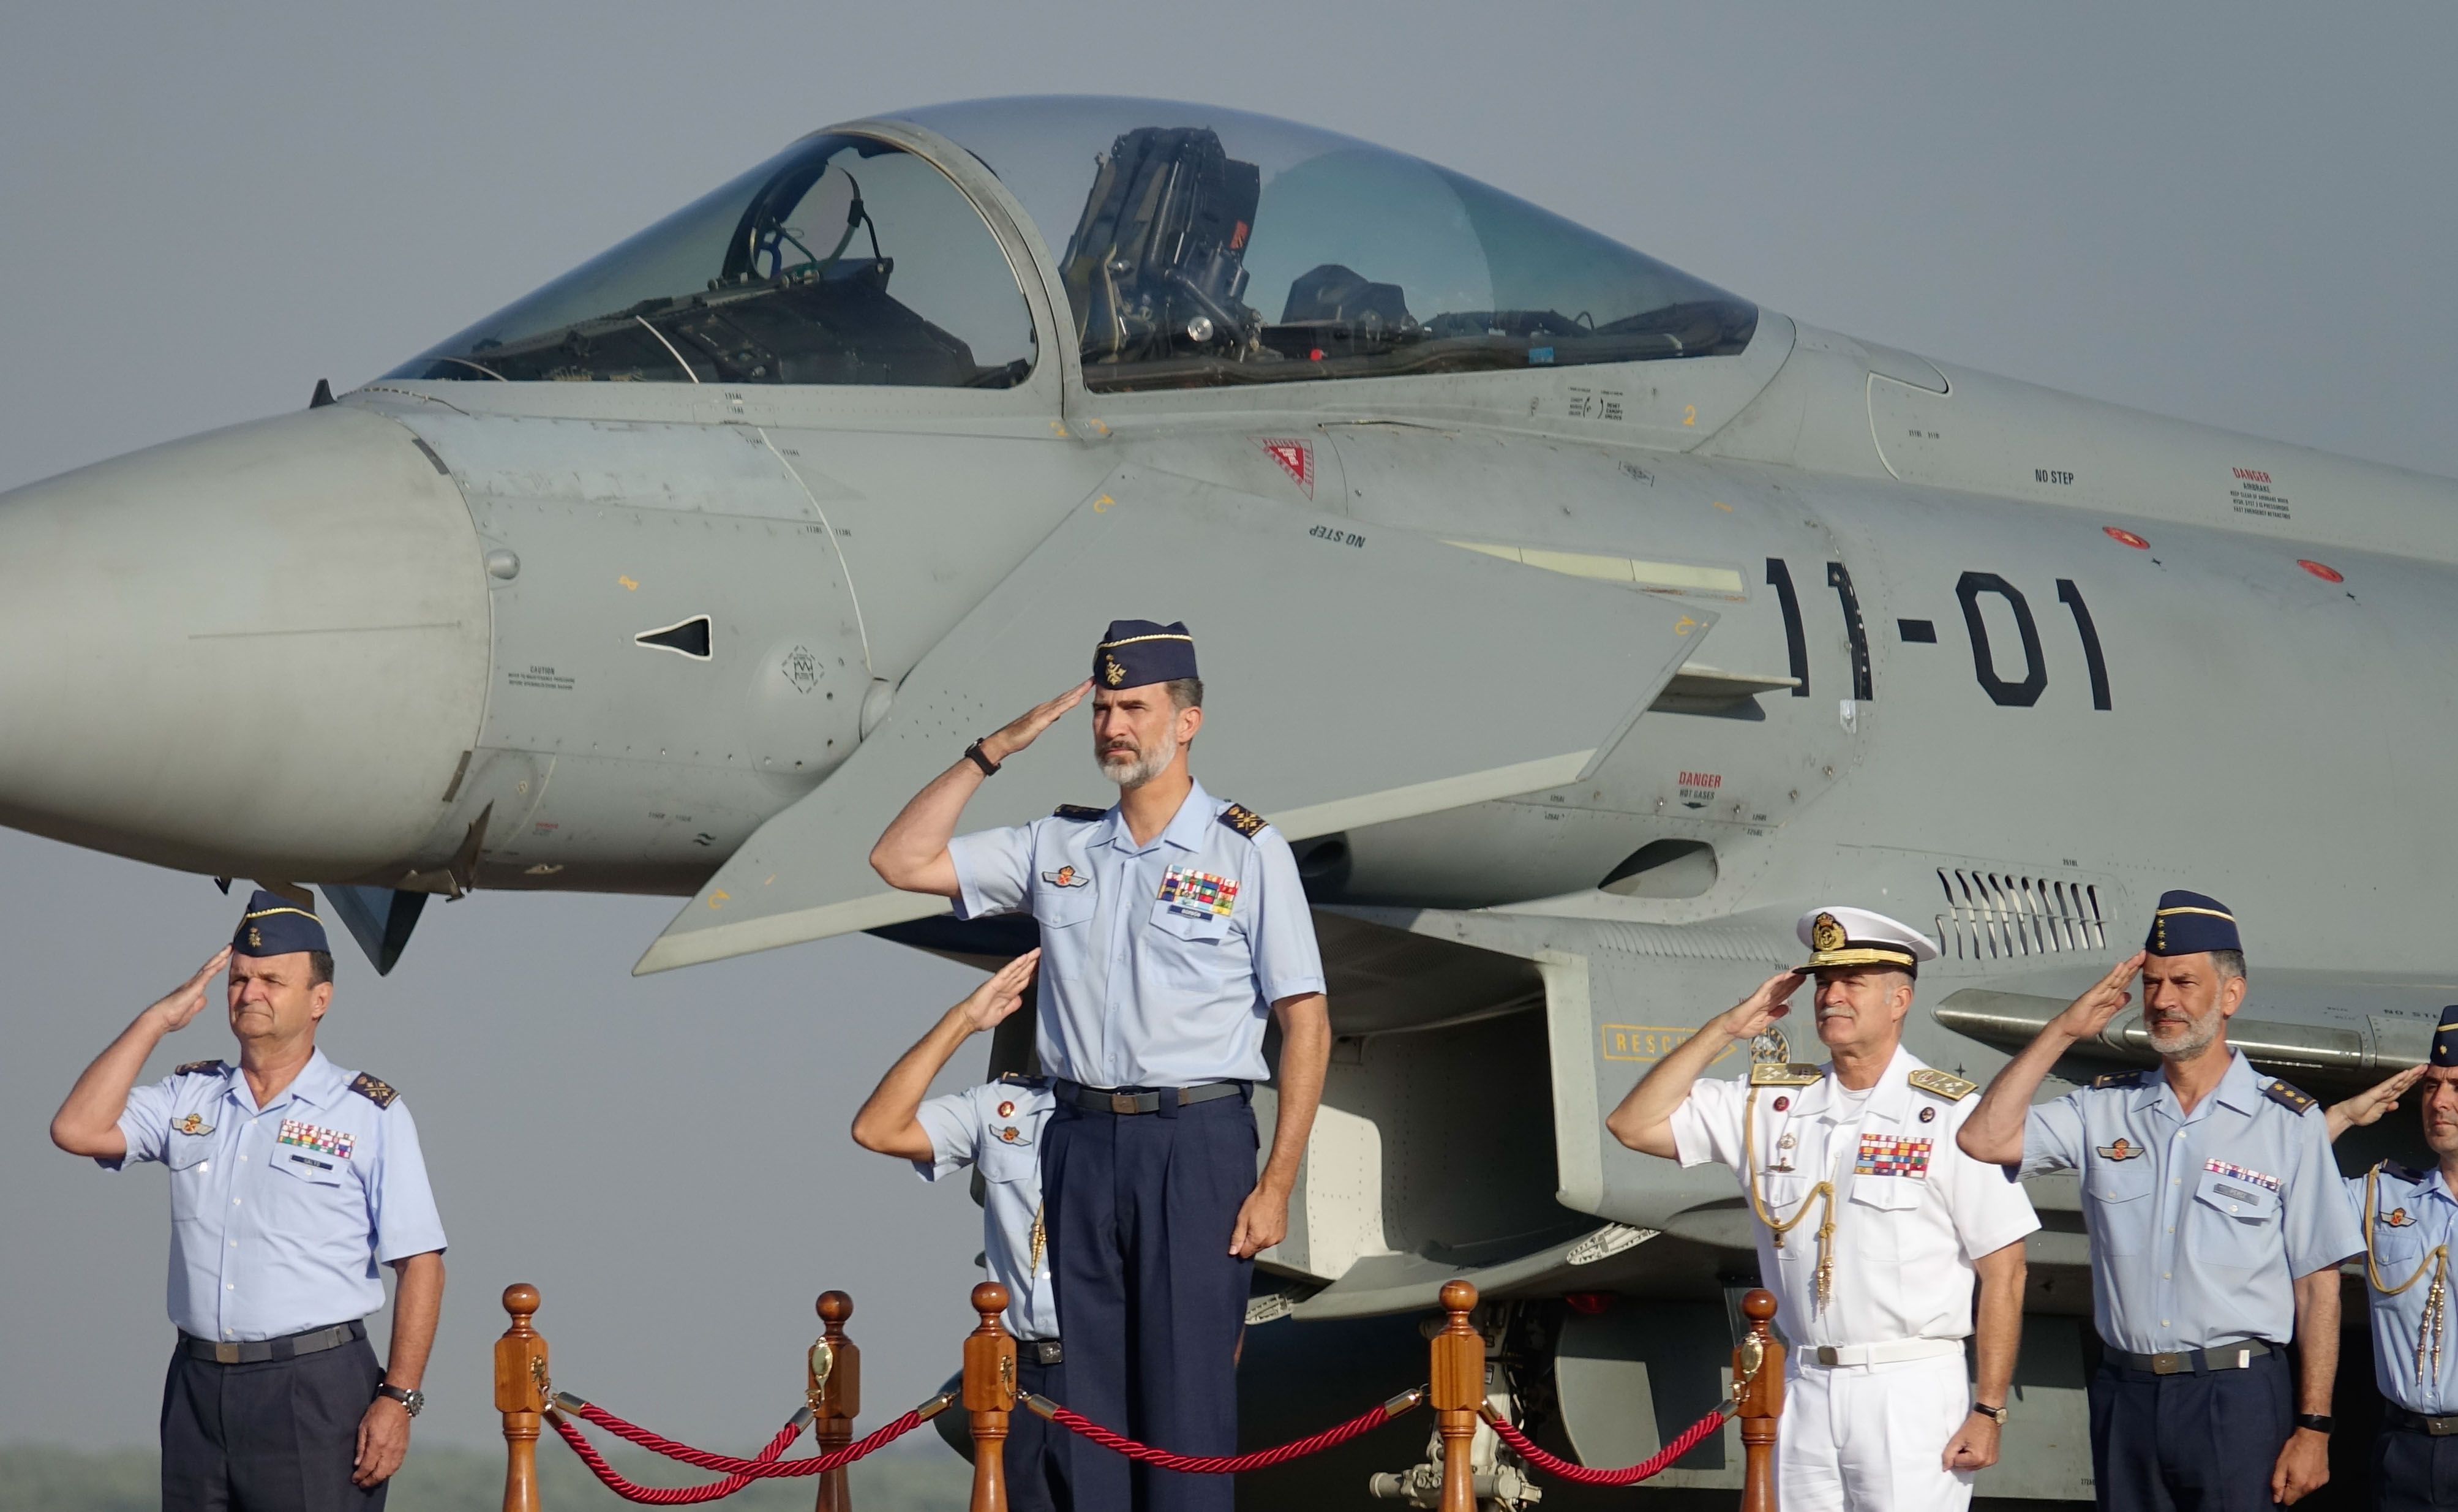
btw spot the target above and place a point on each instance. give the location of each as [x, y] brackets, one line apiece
[1997, 1414]
[980, 758]
[2319, 1422]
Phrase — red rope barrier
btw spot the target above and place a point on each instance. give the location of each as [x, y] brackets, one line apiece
[1225, 1464]
[667, 1496]
[1526, 1449]
[738, 1473]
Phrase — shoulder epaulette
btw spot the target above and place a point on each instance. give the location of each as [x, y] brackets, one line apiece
[2397, 1172]
[1780, 1072]
[2117, 1078]
[202, 1068]
[374, 1091]
[1244, 820]
[2291, 1099]
[1078, 813]
[1944, 1083]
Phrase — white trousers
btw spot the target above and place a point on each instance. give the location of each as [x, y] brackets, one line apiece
[1871, 1438]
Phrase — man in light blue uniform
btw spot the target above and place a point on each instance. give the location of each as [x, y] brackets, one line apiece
[2217, 1221]
[996, 1128]
[292, 1183]
[2410, 1226]
[1173, 928]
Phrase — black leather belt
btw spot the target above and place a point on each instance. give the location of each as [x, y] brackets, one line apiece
[2237, 1356]
[290, 1346]
[1041, 1352]
[2416, 1422]
[1103, 1100]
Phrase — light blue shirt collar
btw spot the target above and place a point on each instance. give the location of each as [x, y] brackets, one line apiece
[2238, 1088]
[318, 1084]
[1184, 830]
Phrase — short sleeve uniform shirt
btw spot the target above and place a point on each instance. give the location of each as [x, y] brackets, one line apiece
[2413, 1223]
[2200, 1221]
[1159, 962]
[1912, 1210]
[997, 1126]
[280, 1214]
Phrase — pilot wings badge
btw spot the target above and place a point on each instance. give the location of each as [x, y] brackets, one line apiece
[1066, 876]
[2398, 1218]
[2124, 1149]
[195, 1124]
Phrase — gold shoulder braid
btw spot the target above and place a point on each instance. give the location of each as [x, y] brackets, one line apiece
[2436, 1302]
[1823, 1193]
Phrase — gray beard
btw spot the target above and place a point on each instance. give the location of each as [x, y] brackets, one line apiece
[2197, 1037]
[1133, 772]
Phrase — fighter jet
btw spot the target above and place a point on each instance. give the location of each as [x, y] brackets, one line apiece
[1581, 623]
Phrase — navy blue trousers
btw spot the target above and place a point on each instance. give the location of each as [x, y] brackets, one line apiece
[1139, 1209]
[279, 1436]
[2190, 1444]
[2414, 1472]
[1037, 1449]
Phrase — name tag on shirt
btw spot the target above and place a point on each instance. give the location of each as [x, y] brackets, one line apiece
[1198, 894]
[309, 1136]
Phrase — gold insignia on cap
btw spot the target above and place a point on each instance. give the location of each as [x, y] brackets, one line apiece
[254, 936]
[1826, 933]
[1111, 672]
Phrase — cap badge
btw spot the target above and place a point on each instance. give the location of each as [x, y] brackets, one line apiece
[1826, 933]
[254, 936]
[1111, 672]
[2123, 1150]
[2395, 1218]
[193, 1124]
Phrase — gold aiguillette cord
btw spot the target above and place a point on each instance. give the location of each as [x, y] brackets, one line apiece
[1823, 1193]
[2436, 1301]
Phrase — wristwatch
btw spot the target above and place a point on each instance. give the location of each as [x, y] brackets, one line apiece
[981, 758]
[2319, 1422]
[411, 1400]
[1995, 1415]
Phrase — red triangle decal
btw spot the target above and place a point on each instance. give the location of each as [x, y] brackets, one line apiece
[1296, 457]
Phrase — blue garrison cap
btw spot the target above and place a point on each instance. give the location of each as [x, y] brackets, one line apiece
[1137, 651]
[2188, 923]
[274, 926]
[2445, 1040]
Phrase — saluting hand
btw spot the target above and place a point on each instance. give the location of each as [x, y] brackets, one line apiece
[186, 1000]
[2367, 1108]
[2089, 1013]
[1026, 727]
[1000, 993]
[1749, 1019]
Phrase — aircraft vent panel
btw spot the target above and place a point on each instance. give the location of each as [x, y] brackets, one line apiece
[1992, 915]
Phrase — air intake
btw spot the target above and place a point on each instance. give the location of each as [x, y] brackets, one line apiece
[690, 638]
[1991, 917]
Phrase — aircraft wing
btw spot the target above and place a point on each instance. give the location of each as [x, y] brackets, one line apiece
[1355, 674]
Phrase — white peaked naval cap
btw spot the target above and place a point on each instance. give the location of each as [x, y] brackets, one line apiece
[1850, 936]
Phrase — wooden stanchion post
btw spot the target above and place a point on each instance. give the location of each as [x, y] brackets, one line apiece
[520, 1396]
[990, 1396]
[1458, 1394]
[1758, 1395]
[836, 1397]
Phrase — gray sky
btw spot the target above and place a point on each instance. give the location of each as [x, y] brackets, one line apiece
[2239, 215]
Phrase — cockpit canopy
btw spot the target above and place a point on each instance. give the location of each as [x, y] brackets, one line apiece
[1197, 246]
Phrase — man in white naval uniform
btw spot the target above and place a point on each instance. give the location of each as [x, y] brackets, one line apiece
[1871, 1226]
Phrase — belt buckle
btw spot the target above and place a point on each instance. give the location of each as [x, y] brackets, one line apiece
[1826, 1354]
[1123, 1103]
[225, 1354]
[2171, 1363]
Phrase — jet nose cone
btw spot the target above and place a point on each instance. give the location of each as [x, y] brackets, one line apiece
[259, 651]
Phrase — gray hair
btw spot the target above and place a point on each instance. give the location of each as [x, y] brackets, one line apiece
[2228, 965]
[1185, 693]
